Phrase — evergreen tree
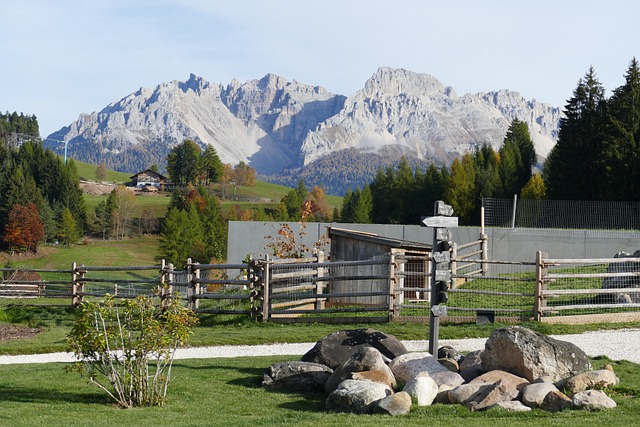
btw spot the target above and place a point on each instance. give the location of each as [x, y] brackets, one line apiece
[534, 189]
[182, 163]
[573, 169]
[211, 165]
[363, 207]
[622, 150]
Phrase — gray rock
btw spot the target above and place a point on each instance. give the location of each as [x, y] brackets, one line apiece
[448, 352]
[422, 389]
[363, 359]
[533, 394]
[296, 376]
[529, 354]
[466, 393]
[471, 366]
[592, 400]
[356, 397]
[396, 404]
[408, 366]
[336, 348]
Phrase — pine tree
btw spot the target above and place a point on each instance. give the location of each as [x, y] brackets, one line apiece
[573, 169]
[622, 151]
[68, 233]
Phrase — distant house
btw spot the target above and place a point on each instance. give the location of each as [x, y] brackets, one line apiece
[149, 178]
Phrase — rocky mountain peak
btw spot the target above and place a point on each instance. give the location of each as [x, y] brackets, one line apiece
[275, 124]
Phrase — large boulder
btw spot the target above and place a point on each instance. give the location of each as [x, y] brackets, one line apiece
[365, 359]
[358, 397]
[334, 349]
[409, 365]
[531, 355]
[296, 376]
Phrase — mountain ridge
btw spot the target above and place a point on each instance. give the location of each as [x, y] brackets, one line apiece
[282, 127]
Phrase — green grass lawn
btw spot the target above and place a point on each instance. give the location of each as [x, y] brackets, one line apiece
[87, 171]
[228, 392]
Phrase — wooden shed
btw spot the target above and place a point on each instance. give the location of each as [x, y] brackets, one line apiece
[350, 245]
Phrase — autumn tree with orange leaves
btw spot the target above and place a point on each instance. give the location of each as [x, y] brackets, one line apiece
[23, 230]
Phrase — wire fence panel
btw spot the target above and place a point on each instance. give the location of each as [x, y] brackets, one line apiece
[591, 290]
[561, 214]
[500, 291]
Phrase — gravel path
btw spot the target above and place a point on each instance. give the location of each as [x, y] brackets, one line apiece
[623, 344]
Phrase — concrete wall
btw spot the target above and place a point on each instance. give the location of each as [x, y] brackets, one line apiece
[249, 237]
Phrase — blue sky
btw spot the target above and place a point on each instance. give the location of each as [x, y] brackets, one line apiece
[67, 57]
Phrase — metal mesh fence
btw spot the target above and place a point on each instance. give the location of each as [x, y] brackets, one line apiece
[562, 214]
[504, 292]
[600, 289]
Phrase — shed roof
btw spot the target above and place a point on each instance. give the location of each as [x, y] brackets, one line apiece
[375, 238]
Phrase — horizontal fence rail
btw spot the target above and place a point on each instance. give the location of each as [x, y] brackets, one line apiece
[391, 287]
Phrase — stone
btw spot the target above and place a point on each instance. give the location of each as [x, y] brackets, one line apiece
[497, 375]
[500, 391]
[530, 355]
[465, 393]
[533, 394]
[556, 401]
[511, 406]
[377, 375]
[422, 389]
[450, 364]
[471, 366]
[592, 400]
[334, 349]
[408, 366]
[356, 397]
[296, 376]
[363, 359]
[600, 378]
[396, 404]
[448, 352]
[443, 394]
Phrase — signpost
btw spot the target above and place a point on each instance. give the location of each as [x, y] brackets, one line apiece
[440, 267]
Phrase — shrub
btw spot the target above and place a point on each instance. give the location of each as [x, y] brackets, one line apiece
[128, 350]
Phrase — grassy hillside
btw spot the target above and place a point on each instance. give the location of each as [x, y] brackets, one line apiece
[87, 172]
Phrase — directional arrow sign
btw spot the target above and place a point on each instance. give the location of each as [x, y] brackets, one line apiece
[443, 209]
[440, 221]
[439, 310]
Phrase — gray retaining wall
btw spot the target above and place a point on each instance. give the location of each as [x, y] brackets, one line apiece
[511, 244]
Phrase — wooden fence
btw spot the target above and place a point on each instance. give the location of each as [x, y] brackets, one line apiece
[393, 288]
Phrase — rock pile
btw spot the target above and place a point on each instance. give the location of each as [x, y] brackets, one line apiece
[366, 371]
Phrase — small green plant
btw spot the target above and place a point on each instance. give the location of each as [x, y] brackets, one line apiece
[128, 350]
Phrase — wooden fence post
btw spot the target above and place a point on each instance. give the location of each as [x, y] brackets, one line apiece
[392, 286]
[78, 285]
[266, 290]
[541, 272]
[319, 280]
[74, 286]
[190, 287]
[196, 286]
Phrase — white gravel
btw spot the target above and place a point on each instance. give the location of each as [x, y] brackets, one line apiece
[623, 344]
